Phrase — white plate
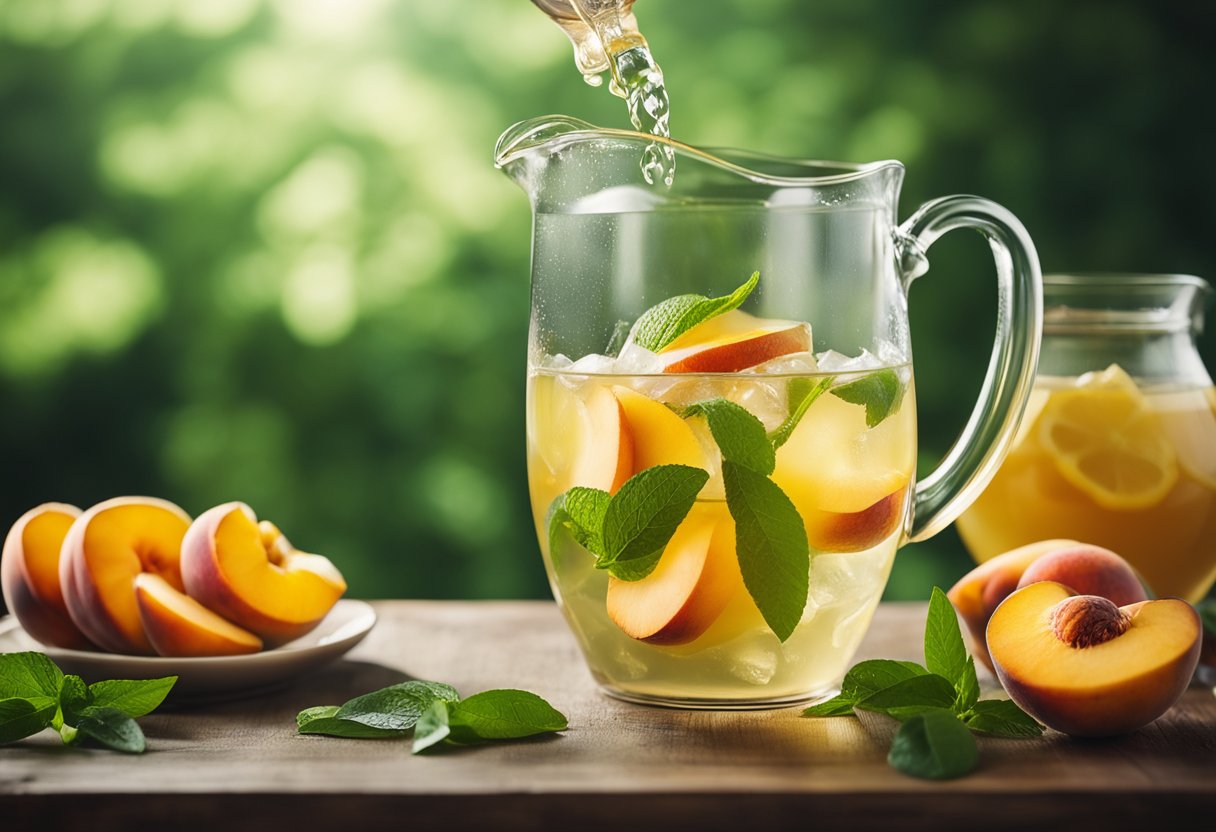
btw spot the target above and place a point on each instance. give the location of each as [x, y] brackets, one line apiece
[214, 677]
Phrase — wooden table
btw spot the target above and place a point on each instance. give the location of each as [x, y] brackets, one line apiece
[620, 767]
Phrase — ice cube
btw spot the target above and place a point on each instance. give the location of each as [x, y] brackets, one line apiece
[553, 362]
[636, 360]
[835, 362]
[765, 400]
[755, 664]
[593, 364]
[794, 364]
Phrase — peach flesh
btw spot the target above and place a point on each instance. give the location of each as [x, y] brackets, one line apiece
[29, 575]
[177, 625]
[855, 531]
[606, 460]
[771, 340]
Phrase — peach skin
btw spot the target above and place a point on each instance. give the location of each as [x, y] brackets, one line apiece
[29, 575]
[250, 574]
[103, 552]
[1088, 570]
[733, 342]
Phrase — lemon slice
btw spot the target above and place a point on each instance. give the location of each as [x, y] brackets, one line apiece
[1106, 441]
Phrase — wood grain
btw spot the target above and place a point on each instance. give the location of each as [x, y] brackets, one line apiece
[241, 765]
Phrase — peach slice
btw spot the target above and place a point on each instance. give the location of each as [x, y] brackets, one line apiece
[103, 552]
[1086, 667]
[177, 625]
[697, 576]
[29, 576]
[605, 459]
[659, 436]
[732, 342]
[981, 590]
[250, 574]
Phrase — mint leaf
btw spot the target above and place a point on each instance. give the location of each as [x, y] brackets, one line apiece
[880, 392]
[581, 512]
[910, 697]
[934, 745]
[73, 698]
[770, 540]
[503, 715]
[644, 514]
[1001, 718]
[945, 653]
[29, 676]
[21, 718]
[873, 675]
[802, 394]
[663, 323]
[739, 434]
[111, 728]
[134, 697]
[432, 727]
[836, 706]
[321, 720]
[396, 707]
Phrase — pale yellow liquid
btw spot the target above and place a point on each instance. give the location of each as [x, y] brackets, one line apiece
[738, 661]
[1172, 542]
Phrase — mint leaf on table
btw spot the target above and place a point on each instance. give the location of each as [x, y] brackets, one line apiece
[134, 697]
[865, 678]
[21, 718]
[934, 745]
[30, 676]
[1001, 718]
[836, 706]
[663, 323]
[880, 392]
[910, 697]
[503, 715]
[802, 394]
[111, 728]
[771, 543]
[73, 698]
[433, 727]
[945, 653]
[739, 435]
[396, 707]
[644, 514]
[323, 720]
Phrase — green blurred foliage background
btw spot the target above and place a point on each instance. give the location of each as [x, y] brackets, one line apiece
[256, 249]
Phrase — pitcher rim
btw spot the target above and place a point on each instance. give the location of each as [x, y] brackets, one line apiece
[521, 138]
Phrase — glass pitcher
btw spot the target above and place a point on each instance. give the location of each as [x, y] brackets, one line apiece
[1118, 446]
[677, 332]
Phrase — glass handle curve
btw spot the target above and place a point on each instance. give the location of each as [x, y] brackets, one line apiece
[973, 460]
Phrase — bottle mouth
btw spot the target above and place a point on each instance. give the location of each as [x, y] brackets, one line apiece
[1124, 302]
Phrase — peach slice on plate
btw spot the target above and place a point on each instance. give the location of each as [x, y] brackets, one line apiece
[29, 575]
[697, 575]
[732, 342]
[1086, 667]
[250, 574]
[177, 625]
[105, 549]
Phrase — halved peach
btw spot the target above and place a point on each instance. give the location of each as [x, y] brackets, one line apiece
[659, 436]
[1088, 570]
[732, 342]
[697, 575]
[981, 590]
[1081, 665]
[104, 550]
[605, 458]
[251, 575]
[29, 575]
[177, 625]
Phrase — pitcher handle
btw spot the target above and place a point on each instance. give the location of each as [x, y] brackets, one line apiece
[977, 453]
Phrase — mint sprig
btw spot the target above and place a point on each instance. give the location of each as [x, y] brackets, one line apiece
[938, 703]
[434, 714]
[880, 392]
[663, 323]
[802, 393]
[739, 435]
[36, 695]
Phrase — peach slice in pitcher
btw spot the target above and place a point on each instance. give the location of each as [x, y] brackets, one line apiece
[659, 436]
[104, 551]
[732, 342]
[581, 440]
[29, 574]
[177, 625]
[250, 574]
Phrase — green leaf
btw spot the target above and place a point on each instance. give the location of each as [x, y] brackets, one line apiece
[945, 653]
[880, 392]
[1001, 718]
[134, 697]
[739, 434]
[74, 697]
[1207, 613]
[836, 706]
[644, 514]
[802, 394]
[111, 728]
[580, 511]
[503, 715]
[29, 676]
[322, 720]
[770, 540]
[432, 727]
[934, 745]
[663, 323]
[396, 707]
[911, 697]
[873, 675]
[21, 718]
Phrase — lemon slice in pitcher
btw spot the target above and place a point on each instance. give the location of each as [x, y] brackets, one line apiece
[1106, 441]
